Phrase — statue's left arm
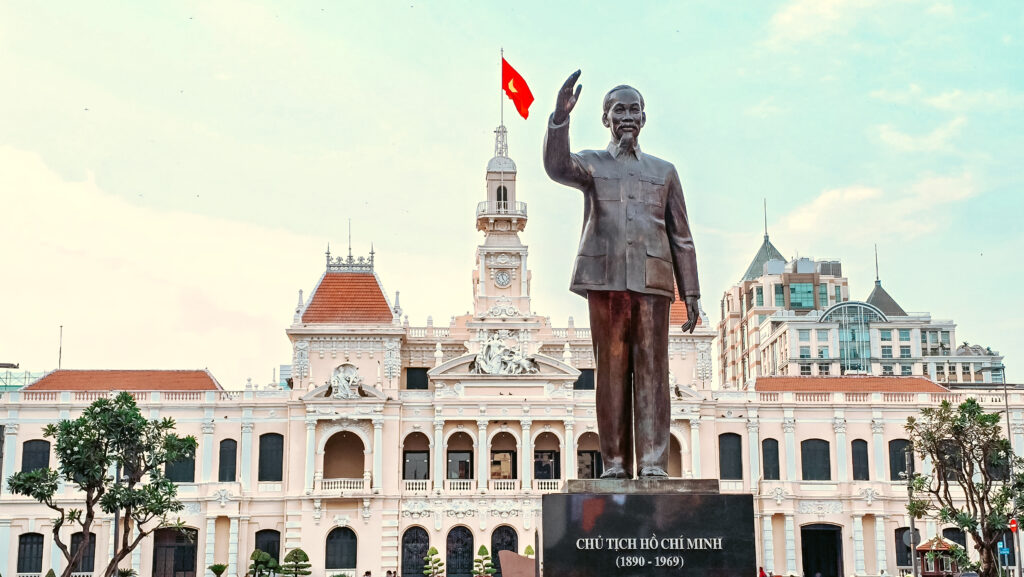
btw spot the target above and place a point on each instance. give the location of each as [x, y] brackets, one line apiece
[684, 257]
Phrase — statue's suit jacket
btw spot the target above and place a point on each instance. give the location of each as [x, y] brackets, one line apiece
[636, 236]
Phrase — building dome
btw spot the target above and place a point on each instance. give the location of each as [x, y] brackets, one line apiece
[501, 164]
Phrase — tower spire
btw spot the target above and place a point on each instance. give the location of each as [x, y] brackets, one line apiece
[349, 238]
[765, 201]
[877, 278]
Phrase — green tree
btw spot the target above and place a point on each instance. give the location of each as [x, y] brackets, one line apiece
[970, 456]
[528, 551]
[110, 434]
[262, 564]
[482, 566]
[433, 567]
[296, 563]
[218, 569]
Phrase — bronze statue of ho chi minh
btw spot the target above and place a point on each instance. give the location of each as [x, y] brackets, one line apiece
[636, 243]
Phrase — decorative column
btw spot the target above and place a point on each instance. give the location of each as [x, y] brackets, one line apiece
[842, 466]
[695, 445]
[246, 472]
[878, 444]
[482, 456]
[233, 548]
[211, 534]
[569, 471]
[8, 566]
[207, 449]
[768, 542]
[790, 545]
[310, 454]
[9, 458]
[753, 449]
[438, 454]
[788, 426]
[858, 544]
[378, 453]
[527, 454]
[1018, 438]
[880, 542]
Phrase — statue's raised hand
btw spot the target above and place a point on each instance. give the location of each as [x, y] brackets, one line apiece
[566, 98]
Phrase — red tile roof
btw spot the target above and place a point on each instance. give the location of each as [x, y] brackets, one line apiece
[677, 314]
[85, 380]
[347, 297]
[849, 384]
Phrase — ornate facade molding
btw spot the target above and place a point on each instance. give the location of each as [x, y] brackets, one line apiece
[819, 507]
[839, 425]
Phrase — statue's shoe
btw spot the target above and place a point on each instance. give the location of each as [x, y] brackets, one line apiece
[653, 472]
[615, 473]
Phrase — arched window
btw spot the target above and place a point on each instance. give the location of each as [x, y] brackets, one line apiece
[459, 556]
[902, 549]
[415, 544]
[174, 553]
[730, 457]
[269, 541]
[183, 471]
[30, 552]
[955, 535]
[35, 455]
[815, 460]
[504, 538]
[271, 457]
[770, 456]
[226, 465]
[502, 198]
[897, 459]
[88, 561]
[859, 452]
[341, 549]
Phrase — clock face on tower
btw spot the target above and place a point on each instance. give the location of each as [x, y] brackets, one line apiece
[502, 278]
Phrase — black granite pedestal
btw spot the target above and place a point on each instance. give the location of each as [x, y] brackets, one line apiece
[627, 528]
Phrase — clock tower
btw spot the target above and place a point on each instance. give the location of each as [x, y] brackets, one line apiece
[501, 281]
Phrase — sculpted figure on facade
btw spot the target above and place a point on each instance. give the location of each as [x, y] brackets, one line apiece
[497, 358]
[635, 250]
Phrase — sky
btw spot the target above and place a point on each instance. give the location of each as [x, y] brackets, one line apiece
[171, 173]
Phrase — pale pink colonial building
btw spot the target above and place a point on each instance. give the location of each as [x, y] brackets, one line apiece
[386, 438]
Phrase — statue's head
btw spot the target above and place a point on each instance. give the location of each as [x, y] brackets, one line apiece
[624, 112]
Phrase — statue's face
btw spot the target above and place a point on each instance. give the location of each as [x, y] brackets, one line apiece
[625, 115]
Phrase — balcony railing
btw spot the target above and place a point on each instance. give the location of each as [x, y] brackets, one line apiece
[459, 485]
[503, 485]
[338, 485]
[416, 485]
[492, 207]
[547, 484]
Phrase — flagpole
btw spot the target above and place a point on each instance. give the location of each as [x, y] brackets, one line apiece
[500, 96]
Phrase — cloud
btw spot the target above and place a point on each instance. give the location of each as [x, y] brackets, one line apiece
[938, 139]
[140, 288]
[955, 100]
[858, 212]
[959, 100]
[764, 109]
[807, 20]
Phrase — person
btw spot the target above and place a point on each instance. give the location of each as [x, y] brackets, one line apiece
[367, 574]
[635, 248]
[761, 573]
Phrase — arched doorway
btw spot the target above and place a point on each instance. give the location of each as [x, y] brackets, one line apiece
[344, 456]
[174, 553]
[503, 457]
[588, 456]
[504, 538]
[341, 550]
[415, 544]
[459, 558]
[675, 458]
[822, 548]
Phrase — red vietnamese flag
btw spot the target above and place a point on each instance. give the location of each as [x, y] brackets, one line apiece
[516, 88]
